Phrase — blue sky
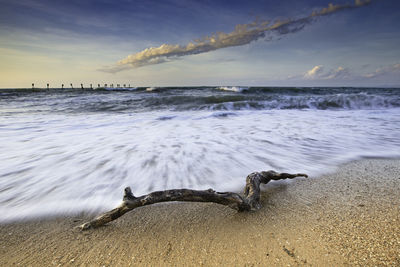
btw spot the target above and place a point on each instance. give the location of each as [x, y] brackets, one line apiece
[44, 41]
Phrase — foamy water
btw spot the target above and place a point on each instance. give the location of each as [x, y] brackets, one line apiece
[55, 160]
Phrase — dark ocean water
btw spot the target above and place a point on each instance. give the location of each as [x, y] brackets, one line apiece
[199, 98]
[66, 151]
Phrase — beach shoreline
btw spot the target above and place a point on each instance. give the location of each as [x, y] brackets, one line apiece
[351, 216]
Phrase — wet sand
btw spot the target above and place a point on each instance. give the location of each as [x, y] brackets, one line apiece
[350, 217]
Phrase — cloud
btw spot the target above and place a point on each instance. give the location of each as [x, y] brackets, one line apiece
[242, 34]
[314, 72]
[392, 69]
[318, 73]
[340, 72]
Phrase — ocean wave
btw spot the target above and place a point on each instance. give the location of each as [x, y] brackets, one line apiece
[142, 99]
[238, 89]
[336, 101]
[276, 101]
[119, 88]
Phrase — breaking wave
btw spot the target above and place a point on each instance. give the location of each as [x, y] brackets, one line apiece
[233, 88]
[140, 99]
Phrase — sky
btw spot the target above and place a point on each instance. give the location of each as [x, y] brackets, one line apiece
[200, 42]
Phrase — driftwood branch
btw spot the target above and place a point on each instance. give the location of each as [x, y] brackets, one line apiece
[250, 200]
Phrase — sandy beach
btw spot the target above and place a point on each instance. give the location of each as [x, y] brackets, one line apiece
[350, 217]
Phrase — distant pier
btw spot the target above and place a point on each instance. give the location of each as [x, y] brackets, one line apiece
[83, 87]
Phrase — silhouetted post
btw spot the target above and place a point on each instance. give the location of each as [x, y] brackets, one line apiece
[98, 85]
[33, 85]
[47, 86]
[81, 86]
[105, 85]
[129, 85]
[72, 87]
[91, 87]
[62, 86]
[124, 86]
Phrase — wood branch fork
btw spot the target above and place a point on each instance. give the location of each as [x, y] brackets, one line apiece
[249, 201]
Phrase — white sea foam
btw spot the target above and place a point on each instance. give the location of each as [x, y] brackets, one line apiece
[238, 89]
[154, 89]
[67, 163]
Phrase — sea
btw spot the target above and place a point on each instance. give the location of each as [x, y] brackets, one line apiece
[73, 151]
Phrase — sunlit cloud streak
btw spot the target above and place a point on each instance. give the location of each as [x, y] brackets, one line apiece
[317, 73]
[242, 34]
[393, 69]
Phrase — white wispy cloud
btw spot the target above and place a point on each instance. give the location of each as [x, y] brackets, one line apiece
[387, 70]
[318, 73]
[339, 72]
[242, 34]
[314, 72]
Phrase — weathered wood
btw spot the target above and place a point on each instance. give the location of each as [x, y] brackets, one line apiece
[250, 200]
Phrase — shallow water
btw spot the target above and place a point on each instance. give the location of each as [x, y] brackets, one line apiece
[64, 152]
